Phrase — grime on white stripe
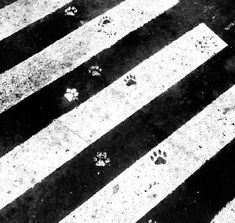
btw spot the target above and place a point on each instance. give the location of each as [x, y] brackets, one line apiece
[22, 13]
[77, 47]
[68, 135]
[142, 186]
[227, 214]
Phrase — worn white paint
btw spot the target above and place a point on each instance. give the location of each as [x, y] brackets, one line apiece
[145, 184]
[154, 76]
[71, 94]
[71, 11]
[22, 13]
[68, 135]
[227, 214]
[77, 47]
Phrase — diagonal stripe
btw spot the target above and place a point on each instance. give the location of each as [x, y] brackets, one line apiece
[227, 214]
[40, 109]
[71, 133]
[77, 47]
[142, 186]
[4, 3]
[44, 32]
[202, 195]
[80, 178]
[22, 13]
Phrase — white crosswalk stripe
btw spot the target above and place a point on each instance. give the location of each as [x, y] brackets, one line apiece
[227, 214]
[22, 13]
[31, 164]
[77, 47]
[142, 186]
[99, 113]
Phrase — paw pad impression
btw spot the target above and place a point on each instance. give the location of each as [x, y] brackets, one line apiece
[71, 94]
[104, 21]
[95, 70]
[159, 157]
[70, 11]
[130, 80]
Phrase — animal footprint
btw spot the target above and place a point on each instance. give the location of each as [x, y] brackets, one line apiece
[130, 80]
[71, 11]
[107, 26]
[105, 20]
[101, 159]
[71, 94]
[159, 157]
[95, 70]
[205, 45]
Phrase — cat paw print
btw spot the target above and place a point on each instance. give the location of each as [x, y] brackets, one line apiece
[159, 157]
[70, 11]
[106, 26]
[95, 70]
[104, 21]
[101, 159]
[130, 80]
[206, 44]
[71, 94]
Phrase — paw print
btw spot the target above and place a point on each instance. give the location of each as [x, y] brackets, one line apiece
[130, 80]
[159, 157]
[205, 45]
[70, 11]
[105, 20]
[106, 26]
[101, 159]
[71, 94]
[95, 70]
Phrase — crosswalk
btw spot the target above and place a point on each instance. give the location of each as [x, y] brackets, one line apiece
[139, 188]
[104, 155]
[75, 48]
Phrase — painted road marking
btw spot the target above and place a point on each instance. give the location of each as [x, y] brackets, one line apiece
[227, 214]
[22, 13]
[68, 135]
[77, 47]
[143, 185]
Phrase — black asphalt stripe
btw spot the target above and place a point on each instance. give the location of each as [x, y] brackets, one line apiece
[37, 111]
[77, 180]
[37, 36]
[4, 3]
[202, 195]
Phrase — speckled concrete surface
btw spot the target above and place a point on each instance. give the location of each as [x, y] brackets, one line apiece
[79, 46]
[66, 136]
[207, 83]
[148, 181]
[22, 13]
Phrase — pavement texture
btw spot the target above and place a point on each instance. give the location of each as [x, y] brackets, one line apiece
[203, 194]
